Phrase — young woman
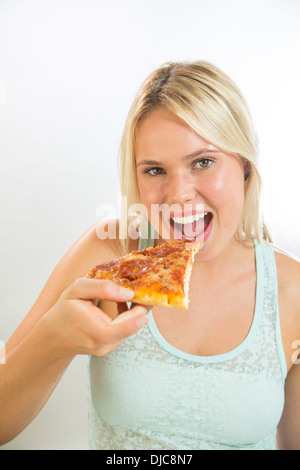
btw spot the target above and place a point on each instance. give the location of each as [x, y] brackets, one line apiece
[221, 375]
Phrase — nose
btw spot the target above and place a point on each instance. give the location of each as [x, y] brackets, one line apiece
[181, 189]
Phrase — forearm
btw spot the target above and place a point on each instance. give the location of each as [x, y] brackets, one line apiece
[31, 373]
[74, 325]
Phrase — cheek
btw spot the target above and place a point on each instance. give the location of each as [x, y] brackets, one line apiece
[227, 194]
[150, 193]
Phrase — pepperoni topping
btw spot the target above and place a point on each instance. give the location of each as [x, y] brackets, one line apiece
[177, 274]
[108, 265]
[165, 250]
[135, 268]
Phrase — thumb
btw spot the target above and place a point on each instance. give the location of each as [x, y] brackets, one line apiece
[104, 289]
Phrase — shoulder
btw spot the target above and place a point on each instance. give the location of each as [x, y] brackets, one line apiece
[288, 275]
[88, 251]
[98, 244]
[288, 272]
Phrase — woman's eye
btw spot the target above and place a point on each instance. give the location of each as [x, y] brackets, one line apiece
[154, 171]
[203, 163]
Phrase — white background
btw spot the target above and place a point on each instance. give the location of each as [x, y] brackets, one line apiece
[68, 72]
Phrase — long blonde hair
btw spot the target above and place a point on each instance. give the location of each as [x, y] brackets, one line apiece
[212, 105]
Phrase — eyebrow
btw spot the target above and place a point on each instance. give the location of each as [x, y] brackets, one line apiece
[187, 157]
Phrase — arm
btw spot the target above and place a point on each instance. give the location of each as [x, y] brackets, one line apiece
[63, 322]
[288, 435]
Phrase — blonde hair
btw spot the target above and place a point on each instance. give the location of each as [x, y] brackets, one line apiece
[211, 104]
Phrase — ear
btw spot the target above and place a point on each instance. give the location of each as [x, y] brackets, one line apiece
[247, 169]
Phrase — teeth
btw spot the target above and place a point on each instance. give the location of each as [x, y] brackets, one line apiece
[190, 219]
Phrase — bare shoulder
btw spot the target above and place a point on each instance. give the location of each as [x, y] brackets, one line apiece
[88, 251]
[92, 248]
[288, 273]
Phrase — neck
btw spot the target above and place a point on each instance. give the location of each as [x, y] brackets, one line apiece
[233, 260]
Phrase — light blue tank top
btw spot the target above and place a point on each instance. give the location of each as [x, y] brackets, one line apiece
[149, 395]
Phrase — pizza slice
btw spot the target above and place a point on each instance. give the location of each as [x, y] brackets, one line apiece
[158, 276]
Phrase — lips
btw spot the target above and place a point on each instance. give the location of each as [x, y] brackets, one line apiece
[192, 227]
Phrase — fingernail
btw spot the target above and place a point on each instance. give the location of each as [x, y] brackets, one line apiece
[142, 321]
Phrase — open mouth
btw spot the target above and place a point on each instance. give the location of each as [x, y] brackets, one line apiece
[196, 227]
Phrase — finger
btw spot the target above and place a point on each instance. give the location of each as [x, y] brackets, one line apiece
[90, 289]
[96, 319]
[138, 310]
[119, 329]
[117, 333]
[113, 332]
[109, 333]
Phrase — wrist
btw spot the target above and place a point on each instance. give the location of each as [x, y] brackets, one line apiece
[50, 343]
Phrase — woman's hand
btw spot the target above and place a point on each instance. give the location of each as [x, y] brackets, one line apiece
[74, 325]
